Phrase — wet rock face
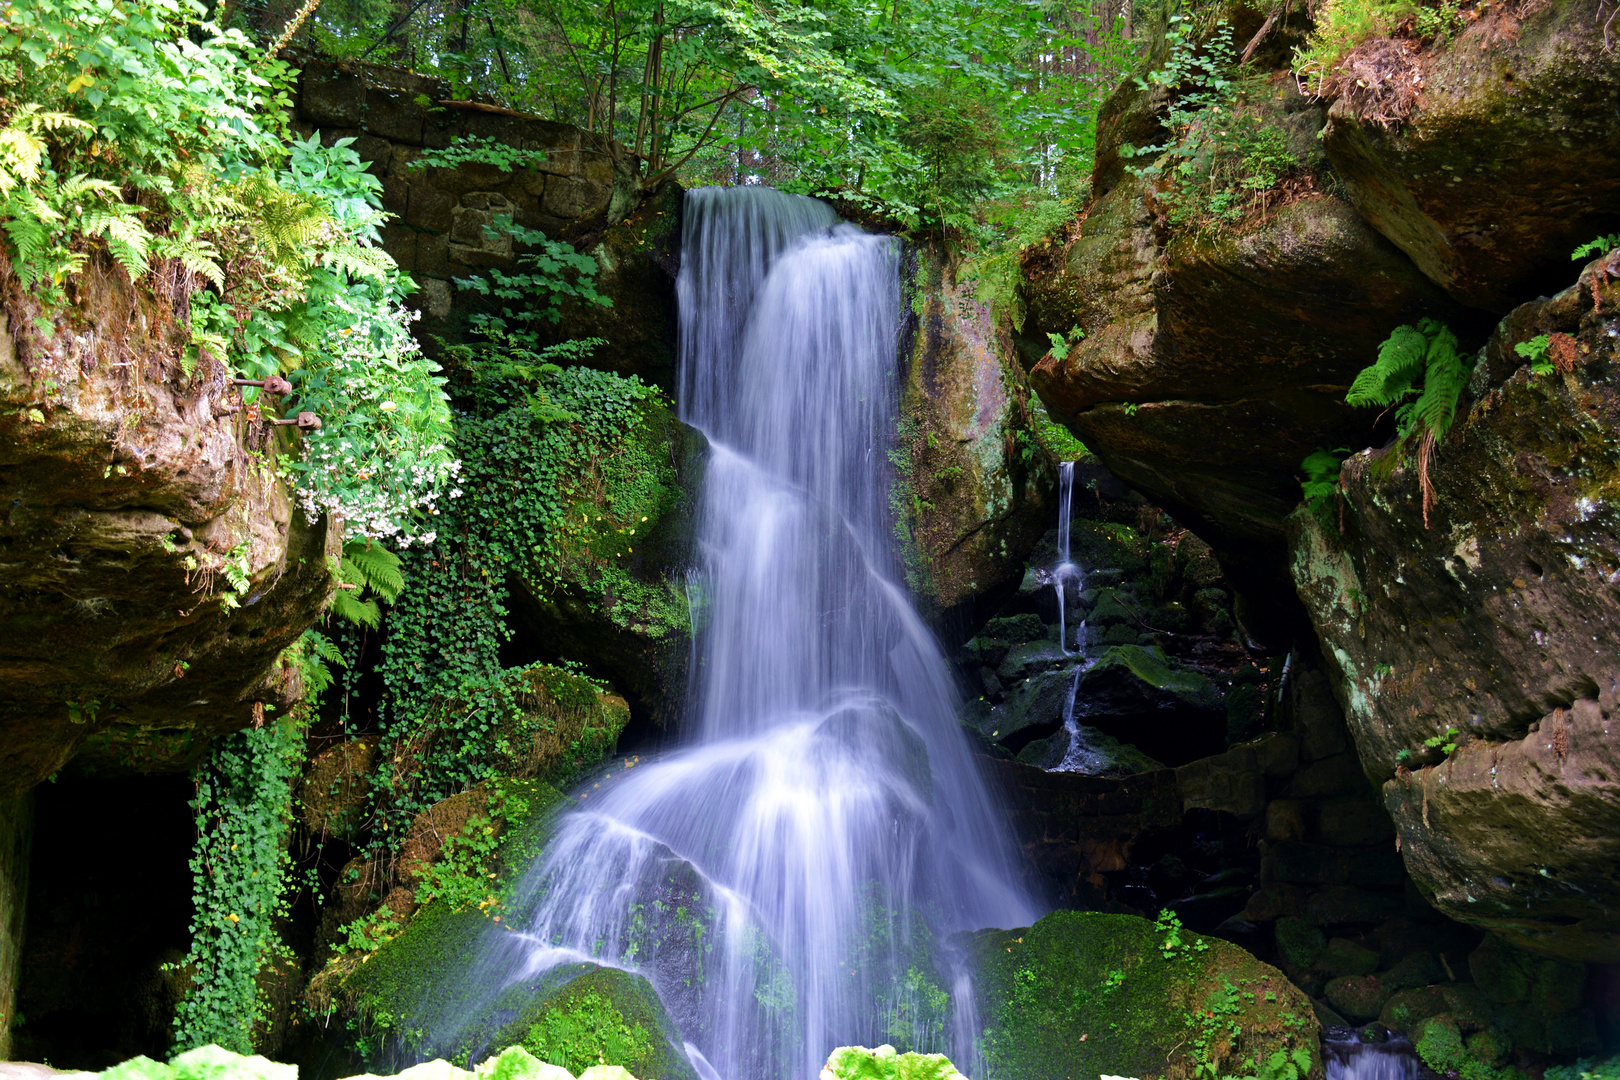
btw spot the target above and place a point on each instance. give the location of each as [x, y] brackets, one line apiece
[1492, 630]
[974, 488]
[1511, 159]
[126, 488]
[1213, 364]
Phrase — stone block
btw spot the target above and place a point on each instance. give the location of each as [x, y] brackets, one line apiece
[571, 197]
[1502, 973]
[1416, 969]
[1345, 957]
[1353, 821]
[377, 154]
[1357, 998]
[435, 297]
[1343, 905]
[1231, 781]
[1278, 754]
[329, 96]
[472, 221]
[432, 255]
[393, 114]
[1337, 775]
[1572, 1033]
[1286, 821]
[430, 208]
[400, 243]
[1467, 1005]
[1303, 864]
[1406, 1008]
[1557, 985]
[1318, 720]
[1299, 942]
[1273, 901]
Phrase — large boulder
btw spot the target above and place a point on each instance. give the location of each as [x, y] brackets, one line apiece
[1488, 629]
[974, 485]
[1214, 361]
[1082, 993]
[128, 487]
[1510, 159]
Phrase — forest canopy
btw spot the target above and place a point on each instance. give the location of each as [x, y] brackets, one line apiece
[923, 106]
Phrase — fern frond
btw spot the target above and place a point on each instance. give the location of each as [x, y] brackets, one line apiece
[359, 612]
[126, 237]
[196, 254]
[1397, 370]
[358, 261]
[373, 565]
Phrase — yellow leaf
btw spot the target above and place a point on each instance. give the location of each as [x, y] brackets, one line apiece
[80, 83]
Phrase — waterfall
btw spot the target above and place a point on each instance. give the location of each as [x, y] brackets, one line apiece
[786, 880]
[1065, 570]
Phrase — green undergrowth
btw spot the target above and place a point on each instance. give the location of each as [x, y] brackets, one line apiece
[1083, 993]
[1225, 157]
[1340, 26]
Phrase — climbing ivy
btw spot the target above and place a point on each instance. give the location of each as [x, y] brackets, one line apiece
[243, 809]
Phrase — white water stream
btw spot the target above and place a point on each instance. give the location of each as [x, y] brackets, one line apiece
[786, 878]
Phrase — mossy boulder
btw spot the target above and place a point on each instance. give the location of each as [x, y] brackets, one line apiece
[973, 485]
[884, 1063]
[1083, 993]
[1215, 360]
[1510, 159]
[1137, 693]
[1482, 618]
[601, 1016]
[617, 601]
[127, 485]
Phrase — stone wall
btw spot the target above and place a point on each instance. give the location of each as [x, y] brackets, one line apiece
[395, 116]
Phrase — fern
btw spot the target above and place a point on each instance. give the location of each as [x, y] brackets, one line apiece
[359, 261]
[1427, 351]
[1601, 246]
[374, 566]
[1321, 483]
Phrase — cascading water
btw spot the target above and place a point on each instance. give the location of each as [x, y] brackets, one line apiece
[777, 879]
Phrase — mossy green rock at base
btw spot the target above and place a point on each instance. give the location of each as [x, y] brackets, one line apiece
[1081, 994]
[883, 1063]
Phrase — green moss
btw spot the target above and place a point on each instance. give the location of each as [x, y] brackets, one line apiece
[1440, 1044]
[581, 1025]
[1082, 993]
[883, 1063]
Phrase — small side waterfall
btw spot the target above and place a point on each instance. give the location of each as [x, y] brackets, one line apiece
[1351, 1056]
[785, 881]
[1065, 571]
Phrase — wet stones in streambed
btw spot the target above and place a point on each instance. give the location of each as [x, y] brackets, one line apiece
[1171, 713]
[1087, 751]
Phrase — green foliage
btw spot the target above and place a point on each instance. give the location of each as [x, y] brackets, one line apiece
[1168, 924]
[1586, 1069]
[1059, 441]
[1601, 246]
[1321, 485]
[1061, 343]
[1223, 158]
[588, 1031]
[1428, 352]
[1445, 743]
[479, 150]
[883, 1063]
[1339, 26]
[143, 131]
[368, 576]
[551, 271]
[1537, 350]
[243, 809]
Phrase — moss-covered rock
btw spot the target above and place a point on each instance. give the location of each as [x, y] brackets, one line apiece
[1082, 993]
[1510, 159]
[973, 484]
[601, 1016]
[1478, 627]
[883, 1063]
[618, 603]
[128, 484]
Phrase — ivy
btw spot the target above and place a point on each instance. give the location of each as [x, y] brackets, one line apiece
[243, 810]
